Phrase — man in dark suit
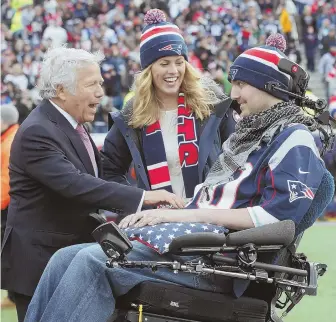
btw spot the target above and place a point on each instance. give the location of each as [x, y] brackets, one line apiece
[54, 174]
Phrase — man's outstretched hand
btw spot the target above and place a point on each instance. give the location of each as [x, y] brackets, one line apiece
[153, 198]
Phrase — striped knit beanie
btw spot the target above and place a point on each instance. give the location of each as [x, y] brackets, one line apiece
[160, 39]
[259, 65]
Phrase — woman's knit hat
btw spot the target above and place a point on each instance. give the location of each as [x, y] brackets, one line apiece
[160, 39]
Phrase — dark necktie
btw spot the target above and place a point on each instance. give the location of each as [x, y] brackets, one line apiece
[86, 140]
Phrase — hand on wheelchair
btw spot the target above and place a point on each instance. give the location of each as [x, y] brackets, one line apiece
[146, 218]
[157, 197]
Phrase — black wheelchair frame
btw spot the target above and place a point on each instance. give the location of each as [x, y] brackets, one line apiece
[266, 256]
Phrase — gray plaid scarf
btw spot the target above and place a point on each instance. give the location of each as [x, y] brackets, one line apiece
[249, 133]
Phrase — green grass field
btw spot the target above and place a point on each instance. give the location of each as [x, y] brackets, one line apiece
[318, 244]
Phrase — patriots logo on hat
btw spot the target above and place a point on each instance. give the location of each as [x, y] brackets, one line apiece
[298, 190]
[173, 47]
[232, 73]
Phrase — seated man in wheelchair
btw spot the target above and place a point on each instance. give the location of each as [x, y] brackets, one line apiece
[269, 173]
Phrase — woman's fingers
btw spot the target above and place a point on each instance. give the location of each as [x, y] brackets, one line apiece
[176, 202]
[127, 221]
[180, 202]
[124, 222]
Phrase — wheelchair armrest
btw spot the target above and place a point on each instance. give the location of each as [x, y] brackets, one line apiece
[199, 242]
[280, 233]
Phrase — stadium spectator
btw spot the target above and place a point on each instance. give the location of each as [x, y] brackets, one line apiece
[9, 127]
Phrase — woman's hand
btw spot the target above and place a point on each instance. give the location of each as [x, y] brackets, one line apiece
[153, 198]
[147, 218]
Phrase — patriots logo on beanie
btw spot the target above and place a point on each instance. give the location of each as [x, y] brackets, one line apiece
[232, 73]
[160, 39]
[174, 47]
[258, 66]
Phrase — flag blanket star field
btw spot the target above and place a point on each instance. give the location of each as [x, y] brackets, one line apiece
[159, 237]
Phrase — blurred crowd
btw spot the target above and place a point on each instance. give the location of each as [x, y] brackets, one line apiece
[216, 32]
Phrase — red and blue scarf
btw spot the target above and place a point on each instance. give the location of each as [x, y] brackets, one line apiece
[155, 154]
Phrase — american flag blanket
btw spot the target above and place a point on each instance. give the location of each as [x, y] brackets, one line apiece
[159, 237]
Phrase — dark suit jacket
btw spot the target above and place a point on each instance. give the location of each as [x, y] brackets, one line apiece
[53, 191]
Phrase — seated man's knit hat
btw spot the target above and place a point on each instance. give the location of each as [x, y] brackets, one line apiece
[259, 65]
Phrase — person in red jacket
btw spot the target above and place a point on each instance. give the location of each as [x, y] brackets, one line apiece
[9, 126]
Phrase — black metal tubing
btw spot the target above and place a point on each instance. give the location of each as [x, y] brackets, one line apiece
[185, 251]
[266, 267]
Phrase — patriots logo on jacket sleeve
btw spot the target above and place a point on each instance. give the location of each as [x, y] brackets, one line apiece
[173, 47]
[298, 190]
[159, 237]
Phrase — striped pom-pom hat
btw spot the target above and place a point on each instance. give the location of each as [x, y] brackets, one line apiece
[160, 38]
[259, 65]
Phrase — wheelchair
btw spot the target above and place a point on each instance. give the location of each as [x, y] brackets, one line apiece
[268, 275]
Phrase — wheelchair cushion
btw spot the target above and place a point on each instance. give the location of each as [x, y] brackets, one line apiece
[182, 302]
[159, 237]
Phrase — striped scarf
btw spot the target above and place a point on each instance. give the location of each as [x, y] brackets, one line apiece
[155, 154]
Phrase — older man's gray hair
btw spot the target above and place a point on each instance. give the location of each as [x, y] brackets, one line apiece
[9, 114]
[60, 67]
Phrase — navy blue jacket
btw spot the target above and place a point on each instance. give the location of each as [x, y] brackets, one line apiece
[123, 144]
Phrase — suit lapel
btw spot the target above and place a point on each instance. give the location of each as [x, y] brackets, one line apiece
[77, 143]
[97, 157]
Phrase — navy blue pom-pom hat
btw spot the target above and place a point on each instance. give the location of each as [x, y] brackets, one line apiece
[259, 65]
[160, 39]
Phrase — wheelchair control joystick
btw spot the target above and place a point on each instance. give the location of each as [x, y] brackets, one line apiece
[113, 241]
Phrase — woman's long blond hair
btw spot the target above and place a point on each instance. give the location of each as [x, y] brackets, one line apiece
[198, 97]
